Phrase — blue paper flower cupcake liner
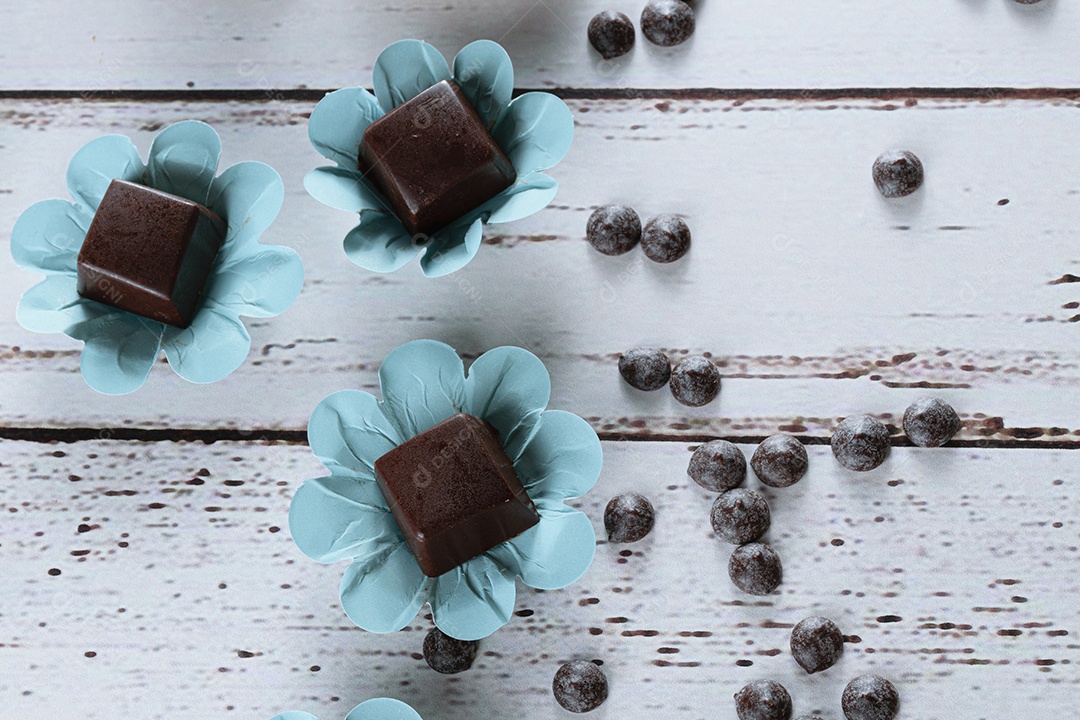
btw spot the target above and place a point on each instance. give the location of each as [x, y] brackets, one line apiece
[534, 130]
[377, 709]
[248, 278]
[556, 455]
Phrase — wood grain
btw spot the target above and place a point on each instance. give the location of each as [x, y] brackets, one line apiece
[814, 296]
[180, 594]
[274, 44]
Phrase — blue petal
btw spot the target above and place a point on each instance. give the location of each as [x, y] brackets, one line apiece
[382, 709]
[380, 242]
[342, 189]
[183, 160]
[120, 350]
[348, 432]
[530, 194]
[48, 235]
[54, 305]
[338, 123]
[405, 69]
[535, 131]
[214, 345]
[453, 248]
[338, 518]
[294, 715]
[99, 162]
[509, 387]
[473, 600]
[485, 75]
[248, 195]
[383, 593]
[562, 460]
[261, 281]
[423, 383]
[552, 554]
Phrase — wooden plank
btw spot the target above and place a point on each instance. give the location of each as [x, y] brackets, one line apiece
[955, 569]
[816, 297]
[780, 44]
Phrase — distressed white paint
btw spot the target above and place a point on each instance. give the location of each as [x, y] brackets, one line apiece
[954, 526]
[797, 269]
[776, 44]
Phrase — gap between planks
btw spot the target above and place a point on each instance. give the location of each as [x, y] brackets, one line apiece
[572, 93]
[209, 436]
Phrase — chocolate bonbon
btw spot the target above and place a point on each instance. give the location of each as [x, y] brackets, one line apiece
[816, 644]
[149, 252]
[454, 493]
[433, 159]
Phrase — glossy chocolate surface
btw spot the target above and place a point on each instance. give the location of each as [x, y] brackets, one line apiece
[433, 159]
[149, 252]
[454, 493]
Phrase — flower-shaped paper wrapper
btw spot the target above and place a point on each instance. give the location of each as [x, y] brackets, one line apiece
[248, 278]
[376, 709]
[556, 455]
[534, 130]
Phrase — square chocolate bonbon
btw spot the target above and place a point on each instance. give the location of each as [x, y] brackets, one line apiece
[454, 493]
[433, 159]
[149, 252]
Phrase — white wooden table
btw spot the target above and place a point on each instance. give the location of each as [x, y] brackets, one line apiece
[146, 565]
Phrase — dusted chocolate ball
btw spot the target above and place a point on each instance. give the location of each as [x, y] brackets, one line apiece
[740, 516]
[930, 422]
[860, 443]
[667, 22]
[718, 465]
[809, 717]
[695, 381]
[666, 238]
[870, 697]
[816, 644]
[763, 700]
[613, 229]
[755, 569]
[779, 461]
[645, 368]
[611, 34]
[580, 686]
[628, 518]
[897, 173]
[448, 655]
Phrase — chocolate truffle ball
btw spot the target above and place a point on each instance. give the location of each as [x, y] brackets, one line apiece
[740, 516]
[930, 422]
[611, 34]
[613, 229]
[448, 655]
[580, 686]
[645, 368]
[628, 518]
[667, 22]
[763, 700]
[666, 238]
[816, 644]
[718, 465]
[870, 697]
[860, 443]
[695, 381]
[897, 173]
[755, 569]
[779, 461]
